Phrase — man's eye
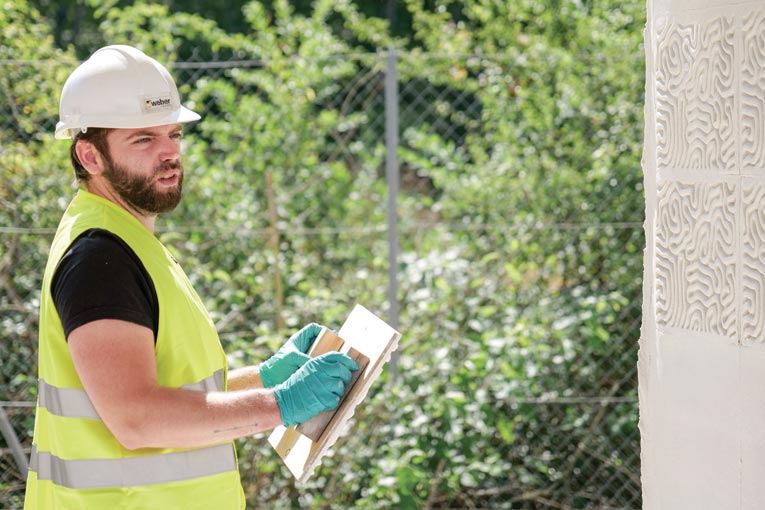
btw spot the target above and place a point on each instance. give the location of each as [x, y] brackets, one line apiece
[143, 140]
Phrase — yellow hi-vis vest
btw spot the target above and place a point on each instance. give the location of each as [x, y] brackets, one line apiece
[77, 463]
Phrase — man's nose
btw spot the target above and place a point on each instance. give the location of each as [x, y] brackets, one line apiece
[170, 149]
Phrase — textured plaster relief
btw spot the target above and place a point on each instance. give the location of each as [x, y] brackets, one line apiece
[753, 263]
[695, 259]
[702, 348]
[753, 92]
[695, 95]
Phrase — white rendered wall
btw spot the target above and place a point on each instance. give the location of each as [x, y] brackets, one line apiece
[702, 351]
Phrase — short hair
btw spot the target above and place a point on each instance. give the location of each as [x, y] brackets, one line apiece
[96, 136]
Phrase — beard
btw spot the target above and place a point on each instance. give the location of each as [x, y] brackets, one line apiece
[139, 191]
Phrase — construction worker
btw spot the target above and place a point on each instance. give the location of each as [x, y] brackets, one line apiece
[136, 408]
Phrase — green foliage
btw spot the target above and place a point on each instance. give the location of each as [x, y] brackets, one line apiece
[521, 126]
[33, 189]
[28, 92]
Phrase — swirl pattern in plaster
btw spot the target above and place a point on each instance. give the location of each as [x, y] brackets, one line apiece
[695, 95]
[695, 257]
[753, 263]
[753, 92]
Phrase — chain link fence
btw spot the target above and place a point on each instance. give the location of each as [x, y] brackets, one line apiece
[547, 303]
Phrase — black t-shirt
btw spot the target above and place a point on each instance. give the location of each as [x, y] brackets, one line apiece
[101, 277]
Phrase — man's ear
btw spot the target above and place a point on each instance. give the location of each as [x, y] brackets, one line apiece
[89, 157]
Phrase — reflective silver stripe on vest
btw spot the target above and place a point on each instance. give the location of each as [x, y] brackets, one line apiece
[74, 403]
[67, 402]
[133, 471]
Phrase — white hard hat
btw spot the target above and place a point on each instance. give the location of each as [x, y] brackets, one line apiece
[119, 87]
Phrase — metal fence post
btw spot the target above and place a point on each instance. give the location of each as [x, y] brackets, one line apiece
[392, 176]
[13, 443]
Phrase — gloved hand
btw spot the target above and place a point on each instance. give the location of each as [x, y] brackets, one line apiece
[317, 386]
[290, 356]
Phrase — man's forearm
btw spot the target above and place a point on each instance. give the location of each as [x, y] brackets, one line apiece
[116, 364]
[177, 418]
[245, 378]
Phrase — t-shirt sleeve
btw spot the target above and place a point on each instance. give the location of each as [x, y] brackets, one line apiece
[101, 277]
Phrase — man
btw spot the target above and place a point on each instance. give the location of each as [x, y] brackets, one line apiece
[135, 405]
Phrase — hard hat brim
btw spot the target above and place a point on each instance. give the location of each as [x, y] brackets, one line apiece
[69, 128]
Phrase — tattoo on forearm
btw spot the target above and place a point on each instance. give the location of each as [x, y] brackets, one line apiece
[232, 429]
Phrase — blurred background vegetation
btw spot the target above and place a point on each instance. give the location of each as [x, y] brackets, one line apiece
[520, 219]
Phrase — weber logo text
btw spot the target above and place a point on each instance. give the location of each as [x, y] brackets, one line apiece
[157, 103]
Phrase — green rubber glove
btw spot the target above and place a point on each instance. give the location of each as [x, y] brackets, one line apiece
[303, 339]
[316, 387]
[290, 356]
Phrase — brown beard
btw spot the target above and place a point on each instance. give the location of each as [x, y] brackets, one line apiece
[139, 192]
